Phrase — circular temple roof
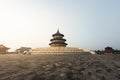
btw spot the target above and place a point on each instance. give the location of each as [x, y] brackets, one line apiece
[58, 43]
[57, 39]
[58, 33]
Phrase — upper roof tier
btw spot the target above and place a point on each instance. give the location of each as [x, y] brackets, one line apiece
[58, 34]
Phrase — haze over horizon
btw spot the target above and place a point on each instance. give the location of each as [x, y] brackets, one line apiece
[89, 24]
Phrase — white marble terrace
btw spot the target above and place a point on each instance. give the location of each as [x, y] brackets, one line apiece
[59, 50]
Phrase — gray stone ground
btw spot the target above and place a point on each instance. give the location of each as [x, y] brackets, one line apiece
[60, 67]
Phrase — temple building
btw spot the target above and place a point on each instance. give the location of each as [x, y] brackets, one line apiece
[58, 40]
[58, 46]
[3, 49]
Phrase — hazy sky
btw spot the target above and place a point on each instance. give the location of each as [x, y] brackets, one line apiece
[90, 24]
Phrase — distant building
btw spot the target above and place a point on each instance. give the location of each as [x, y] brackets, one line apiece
[22, 49]
[108, 50]
[3, 49]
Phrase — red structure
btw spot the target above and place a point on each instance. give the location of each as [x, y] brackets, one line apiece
[108, 50]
